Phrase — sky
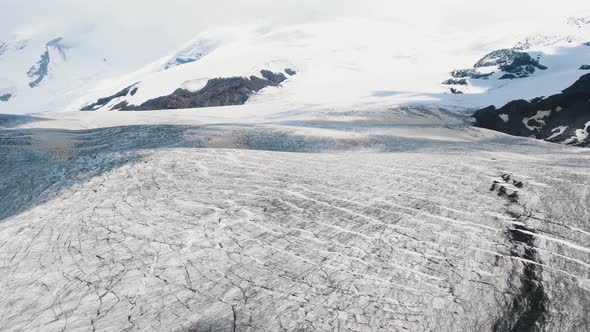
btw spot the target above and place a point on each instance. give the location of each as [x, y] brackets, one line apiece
[179, 20]
[144, 30]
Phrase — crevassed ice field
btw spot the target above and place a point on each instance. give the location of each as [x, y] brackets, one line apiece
[318, 226]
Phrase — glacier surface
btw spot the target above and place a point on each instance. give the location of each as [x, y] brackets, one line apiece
[246, 227]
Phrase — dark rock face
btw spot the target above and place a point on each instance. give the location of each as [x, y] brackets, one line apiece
[518, 64]
[455, 81]
[275, 78]
[217, 92]
[39, 70]
[514, 64]
[290, 72]
[103, 101]
[562, 118]
[585, 67]
[469, 73]
[5, 97]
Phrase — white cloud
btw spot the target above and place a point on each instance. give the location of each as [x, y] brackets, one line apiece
[184, 17]
[143, 30]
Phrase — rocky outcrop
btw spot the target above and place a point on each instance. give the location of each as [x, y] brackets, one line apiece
[39, 71]
[217, 92]
[5, 97]
[456, 81]
[561, 118]
[515, 64]
[130, 90]
[274, 78]
[579, 21]
[469, 73]
[510, 63]
[542, 40]
[585, 67]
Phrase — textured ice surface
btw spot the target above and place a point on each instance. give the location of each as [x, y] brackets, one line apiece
[159, 228]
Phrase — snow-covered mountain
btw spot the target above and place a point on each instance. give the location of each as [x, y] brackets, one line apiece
[340, 62]
[46, 72]
[549, 62]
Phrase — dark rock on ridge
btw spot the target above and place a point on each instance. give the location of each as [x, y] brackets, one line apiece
[519, 64]
[469, 73]
[40, 70]
[5, 97]
[131, 90]
[275, 78]
[455, 81]
[514, 64]
[556, 118]
[585, 67]
[217, 92]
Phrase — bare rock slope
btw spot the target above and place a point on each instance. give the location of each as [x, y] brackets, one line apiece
[561, 118]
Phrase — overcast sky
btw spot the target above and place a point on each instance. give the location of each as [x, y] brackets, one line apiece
[155, 25]
[184, 17]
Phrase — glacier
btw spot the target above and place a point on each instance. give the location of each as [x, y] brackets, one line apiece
[301, 225]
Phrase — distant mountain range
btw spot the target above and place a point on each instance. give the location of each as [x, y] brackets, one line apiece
[235, 66]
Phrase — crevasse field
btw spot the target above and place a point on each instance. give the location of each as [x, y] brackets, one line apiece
[318, 225]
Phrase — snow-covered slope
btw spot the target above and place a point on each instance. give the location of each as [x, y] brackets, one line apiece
[352, 61]
[46, 72]
[362, 61]
[340, 62]
[543, 65]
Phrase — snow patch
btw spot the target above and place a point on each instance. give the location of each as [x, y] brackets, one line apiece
[538, 118]
[582, 134]
[556, 132]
